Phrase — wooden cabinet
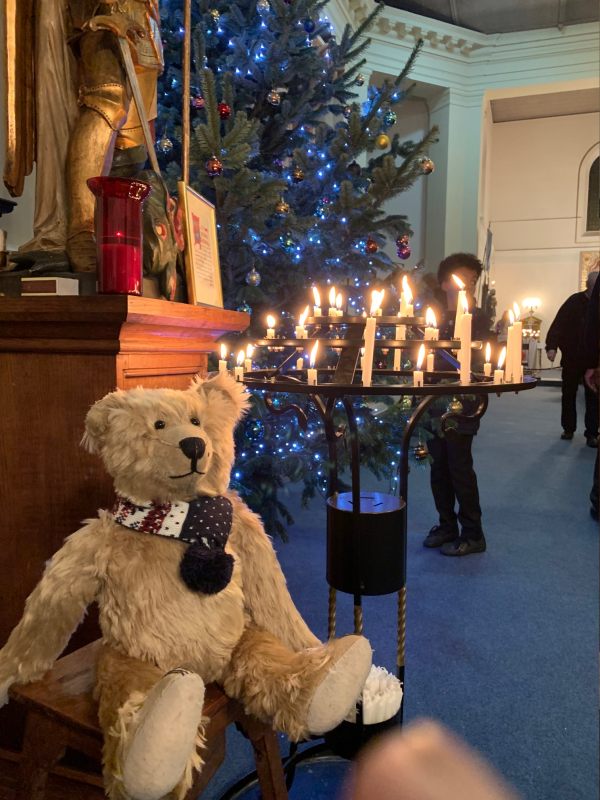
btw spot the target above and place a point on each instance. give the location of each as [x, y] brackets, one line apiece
[58, 355]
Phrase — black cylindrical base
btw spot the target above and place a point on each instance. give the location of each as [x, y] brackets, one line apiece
[350, 737]
[365, 551]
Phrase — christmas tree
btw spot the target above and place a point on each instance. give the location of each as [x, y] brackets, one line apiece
[299, 173]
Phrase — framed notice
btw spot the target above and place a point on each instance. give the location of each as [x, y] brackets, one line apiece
[202, 269]
[588, 261]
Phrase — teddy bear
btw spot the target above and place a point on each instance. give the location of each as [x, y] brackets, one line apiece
[189, 591]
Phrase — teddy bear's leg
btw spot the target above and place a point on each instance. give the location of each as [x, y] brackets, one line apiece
[152, 727]
[302, 693]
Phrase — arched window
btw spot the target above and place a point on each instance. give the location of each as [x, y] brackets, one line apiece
[593, 198]
[588, 198]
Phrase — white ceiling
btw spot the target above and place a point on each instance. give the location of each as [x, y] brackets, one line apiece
[551, 104]
[504, 16]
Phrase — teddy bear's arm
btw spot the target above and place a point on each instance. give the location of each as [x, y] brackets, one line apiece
[265, 590]
[52, 611]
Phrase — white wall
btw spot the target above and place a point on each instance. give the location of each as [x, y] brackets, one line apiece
[532, 180]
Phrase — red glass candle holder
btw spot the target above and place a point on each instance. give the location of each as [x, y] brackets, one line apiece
[119, 245]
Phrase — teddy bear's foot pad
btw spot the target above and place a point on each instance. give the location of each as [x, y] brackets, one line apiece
[344, 681]
[163, 736]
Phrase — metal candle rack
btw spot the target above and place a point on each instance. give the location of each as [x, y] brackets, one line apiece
[367, 532]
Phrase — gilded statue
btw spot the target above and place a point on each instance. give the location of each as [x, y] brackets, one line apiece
[69, 107]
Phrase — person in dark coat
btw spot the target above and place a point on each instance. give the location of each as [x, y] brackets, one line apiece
[566, 334]
[591, 359]
[453, 478]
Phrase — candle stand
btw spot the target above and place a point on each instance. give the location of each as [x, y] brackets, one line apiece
[366, 531]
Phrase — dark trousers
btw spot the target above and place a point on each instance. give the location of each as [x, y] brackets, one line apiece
[571, 378]
[453, 479]
[594, 494]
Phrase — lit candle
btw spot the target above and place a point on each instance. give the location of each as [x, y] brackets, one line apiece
[431, 330]
[406, 299]
[499, 373]
[332, 309]
[517, 369]
[430, 361]
[487, 366]
[248, 359]
[339, 302]
[317, 305]
[461, 304]
[465, 344]
[270, 327]
[239, 370]
[300, 329]
[418, 373]
[369, 336]
[379, 311]
[223, 359]
[311, 371]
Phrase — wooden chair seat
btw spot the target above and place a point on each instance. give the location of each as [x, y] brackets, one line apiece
[62, 713]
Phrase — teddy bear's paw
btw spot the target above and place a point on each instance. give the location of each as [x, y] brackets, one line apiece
[163, 736]
[341, 684]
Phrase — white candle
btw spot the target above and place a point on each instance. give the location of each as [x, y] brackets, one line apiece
[400, 334]
[499, 372]
[517, 368]
[301, 332]
[248, 359]
[339, 302]
[369, 336]
[300, 363]
[430, 362]
[362, 358]
[239, 370]
[379, 311]
[270, 327]
[332, 309]
[487, 366]
[317, 305]
[418, 372]
[431, 330]
[406, 299]
[461, 304]
[311, 371]
[465, 345]
[223, 359]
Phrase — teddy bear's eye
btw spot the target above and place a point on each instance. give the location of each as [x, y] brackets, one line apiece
[159, 424]
[194, 420]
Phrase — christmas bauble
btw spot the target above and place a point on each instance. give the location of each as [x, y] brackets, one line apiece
[382, 141]
[253, 278]
[420, 452]
[214, 167]
[224, 110]
[263, 6]
[455, 406]
[274, 98]
[427, 165]
[288, 244]
[403, 240]
[298, 175]
[404, 252]
[347, 111]
[282, 208]
[244, 308]
[354, 169]
[360, 79]
[371, 246]
[164, 144]
[197, 102]
[389, 118]
[309, 25]
[215, 15]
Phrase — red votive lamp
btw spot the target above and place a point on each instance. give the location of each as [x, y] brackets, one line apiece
[119, 203]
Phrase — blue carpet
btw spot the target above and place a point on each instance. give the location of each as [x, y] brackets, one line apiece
[503, 646]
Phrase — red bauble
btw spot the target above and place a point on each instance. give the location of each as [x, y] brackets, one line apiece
[214, 167]
[402, 241]
[371, 246]
[404, 252]
[224, 110]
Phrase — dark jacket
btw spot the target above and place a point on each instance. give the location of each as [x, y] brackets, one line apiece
[566, 331]
[590, 355]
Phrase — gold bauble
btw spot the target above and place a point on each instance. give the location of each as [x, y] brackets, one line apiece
[420, 452]
[455, 406]
[382, 141]
[282, 208]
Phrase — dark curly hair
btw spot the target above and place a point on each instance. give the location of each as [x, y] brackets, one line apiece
[451, 263]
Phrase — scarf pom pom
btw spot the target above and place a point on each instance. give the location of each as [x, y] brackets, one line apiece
[206, 571]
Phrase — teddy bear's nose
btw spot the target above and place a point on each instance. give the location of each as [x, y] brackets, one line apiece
[193, 447]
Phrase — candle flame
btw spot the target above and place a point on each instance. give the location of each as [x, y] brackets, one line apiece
[332, 296]
[376, 298]
[517, 311]
[303, 317]
[421, 356]
[223, 352]
[339, 301]
[511, 316]
[488, 352]
[317, 296]
[502, 358]
[458, 282]
[240, 358]
[270, 321]
[430, 319]
[406, 290]
[313, 354]
[362, 351]
[249, 350]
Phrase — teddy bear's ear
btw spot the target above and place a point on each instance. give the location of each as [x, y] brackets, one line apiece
[227, 396]
[96, 421]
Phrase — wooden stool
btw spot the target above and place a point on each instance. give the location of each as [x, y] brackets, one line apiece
[61, 713]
